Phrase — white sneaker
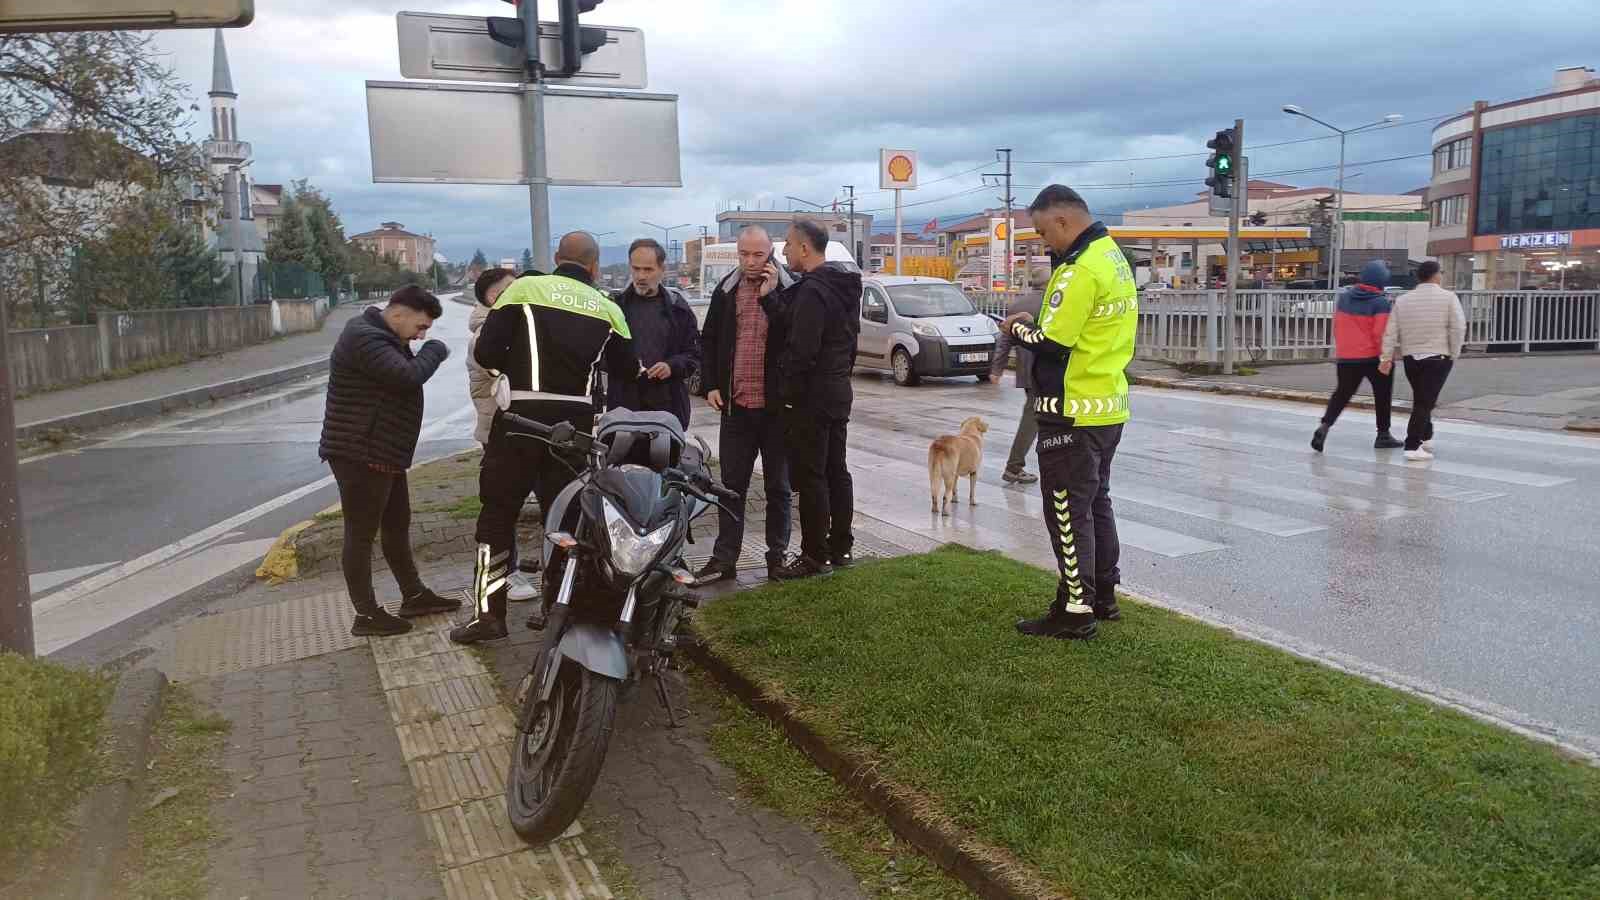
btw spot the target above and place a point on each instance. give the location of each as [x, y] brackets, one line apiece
[520, 588]
[1420, 454]
[1428, 445]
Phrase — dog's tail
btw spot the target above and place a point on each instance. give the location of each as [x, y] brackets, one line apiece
[936, 463]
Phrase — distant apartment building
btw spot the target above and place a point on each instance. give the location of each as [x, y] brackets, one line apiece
[391, 239]
[880, 248]
[266, 203]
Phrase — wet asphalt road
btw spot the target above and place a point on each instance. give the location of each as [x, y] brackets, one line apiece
[1475, 573]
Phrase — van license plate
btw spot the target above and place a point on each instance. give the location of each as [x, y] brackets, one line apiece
[974, 357]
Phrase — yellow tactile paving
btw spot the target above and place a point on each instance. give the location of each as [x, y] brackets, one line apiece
[455, 735]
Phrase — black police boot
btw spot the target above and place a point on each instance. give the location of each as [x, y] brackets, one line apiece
[1058, 623]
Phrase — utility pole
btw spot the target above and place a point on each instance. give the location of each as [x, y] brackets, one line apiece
[1008, 200]
[852, 200]
[1241, 197]
[533, 141]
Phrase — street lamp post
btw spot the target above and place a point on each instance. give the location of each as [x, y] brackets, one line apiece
[666, 232]
[1336, 240]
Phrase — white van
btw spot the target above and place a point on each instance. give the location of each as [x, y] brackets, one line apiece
[717, 260]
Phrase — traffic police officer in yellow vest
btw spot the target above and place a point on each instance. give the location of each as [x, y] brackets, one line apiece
[1081, 343]
[545, 340]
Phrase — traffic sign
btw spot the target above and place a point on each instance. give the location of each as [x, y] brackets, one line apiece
[458, 48]
[606, 138]
[104, 15]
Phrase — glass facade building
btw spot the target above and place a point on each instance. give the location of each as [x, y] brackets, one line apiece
[1514, 203]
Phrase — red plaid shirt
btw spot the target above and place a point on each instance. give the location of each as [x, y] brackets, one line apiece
[750, 346]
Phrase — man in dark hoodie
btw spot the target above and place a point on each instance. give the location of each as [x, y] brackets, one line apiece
[666, 336]
[817, 321]
[1359, 320]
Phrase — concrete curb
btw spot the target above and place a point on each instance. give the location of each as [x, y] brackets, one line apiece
[154, 406]
[105, 811]
[1261, 392]
[991, 872]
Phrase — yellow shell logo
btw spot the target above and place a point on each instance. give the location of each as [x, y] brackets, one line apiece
[1000, 231]
[900, 167]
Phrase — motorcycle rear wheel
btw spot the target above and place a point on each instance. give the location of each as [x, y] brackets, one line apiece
[555, 764]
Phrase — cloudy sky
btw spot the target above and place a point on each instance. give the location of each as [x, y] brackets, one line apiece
[781, 97]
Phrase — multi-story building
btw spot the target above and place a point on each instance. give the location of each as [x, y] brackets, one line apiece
[1514, 203]
[880, 248]
[266, 205]
[413, 252]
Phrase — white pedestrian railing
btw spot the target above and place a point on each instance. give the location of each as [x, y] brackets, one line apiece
[1186, 326]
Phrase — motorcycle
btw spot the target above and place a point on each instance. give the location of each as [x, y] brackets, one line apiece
[615, 589]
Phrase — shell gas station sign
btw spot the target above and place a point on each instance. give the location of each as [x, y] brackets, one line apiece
[999, 272]
[897, 170]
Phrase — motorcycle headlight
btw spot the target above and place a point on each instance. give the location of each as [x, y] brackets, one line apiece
[924, 329]
[631, 551]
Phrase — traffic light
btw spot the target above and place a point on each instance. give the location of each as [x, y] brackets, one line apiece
[576, 40]
[1221, 163]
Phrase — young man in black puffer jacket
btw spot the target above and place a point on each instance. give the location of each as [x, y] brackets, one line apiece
[369, 436]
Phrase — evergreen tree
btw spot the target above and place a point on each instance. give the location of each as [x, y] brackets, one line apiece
[479, 261]
[527, 260]
[291, 240]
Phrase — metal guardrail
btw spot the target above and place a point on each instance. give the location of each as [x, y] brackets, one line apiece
[1185, 326]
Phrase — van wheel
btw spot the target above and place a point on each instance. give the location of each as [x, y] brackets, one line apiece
[904, 374]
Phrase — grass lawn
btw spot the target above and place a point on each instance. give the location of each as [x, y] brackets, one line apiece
[1165, 758]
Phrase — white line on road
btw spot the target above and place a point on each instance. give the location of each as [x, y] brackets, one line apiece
[44, 581]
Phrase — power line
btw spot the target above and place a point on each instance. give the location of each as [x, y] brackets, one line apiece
[1179, 182]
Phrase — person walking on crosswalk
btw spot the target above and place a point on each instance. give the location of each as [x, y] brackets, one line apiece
[1081, 343]
[1426, 330]
[1359, 317]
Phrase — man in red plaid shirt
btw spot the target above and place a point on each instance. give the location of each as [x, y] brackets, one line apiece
[737, 365]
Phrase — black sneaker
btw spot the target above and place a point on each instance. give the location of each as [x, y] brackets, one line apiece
[379, 624]
[802, 567]
[1319, 438]
[1064, 625]
[842, 560]
[536, 619]
[482, 628]
[1108, 610]
[1386, 441]
[1018, 476]
[427, 603]
[713, 572]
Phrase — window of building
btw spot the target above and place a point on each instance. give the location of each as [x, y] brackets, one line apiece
[1450, 211]
[1543, 176]
[1455, 155]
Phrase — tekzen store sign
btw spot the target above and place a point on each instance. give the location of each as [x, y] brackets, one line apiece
[1537, 239]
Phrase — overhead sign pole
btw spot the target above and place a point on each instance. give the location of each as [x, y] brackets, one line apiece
[534, 140]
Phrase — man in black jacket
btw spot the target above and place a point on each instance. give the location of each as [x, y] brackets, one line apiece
[740, 355]
[546, 335]
[369, 436]
[665, 335]
[818, 320]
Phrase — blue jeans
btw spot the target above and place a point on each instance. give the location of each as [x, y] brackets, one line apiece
[745, 434]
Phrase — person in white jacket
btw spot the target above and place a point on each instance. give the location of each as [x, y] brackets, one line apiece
[1426, 329]
[480, 386]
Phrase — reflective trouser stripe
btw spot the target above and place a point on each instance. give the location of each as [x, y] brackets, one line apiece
[1067, 555]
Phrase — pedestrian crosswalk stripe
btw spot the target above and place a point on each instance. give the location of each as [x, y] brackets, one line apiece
[1228, 513]
[1442, 466]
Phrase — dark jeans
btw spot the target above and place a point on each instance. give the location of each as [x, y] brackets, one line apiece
[512, 468]
[373, 503]
[1075, 475]
[746, 434]
[1350, 376]
[1427, 377]
[822, 479]
[1027, 431]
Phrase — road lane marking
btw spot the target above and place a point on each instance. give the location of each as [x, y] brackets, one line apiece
[1235, 514]
[1236, 478]
[1443, 466]
[44, 581]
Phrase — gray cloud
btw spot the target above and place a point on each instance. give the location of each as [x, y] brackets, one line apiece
[792, 98]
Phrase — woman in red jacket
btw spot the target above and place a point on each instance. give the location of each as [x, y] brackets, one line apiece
[1359, 319]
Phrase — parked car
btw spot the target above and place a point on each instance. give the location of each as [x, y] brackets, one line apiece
[918, 327]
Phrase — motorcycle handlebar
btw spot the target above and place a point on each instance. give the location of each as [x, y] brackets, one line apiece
[526, 424]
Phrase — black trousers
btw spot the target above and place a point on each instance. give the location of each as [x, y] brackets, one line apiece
[1075, 475]
[1350, 376]
[1427, 377]
[745, 435]
[514, 467]
[821, 477]
[374, 502]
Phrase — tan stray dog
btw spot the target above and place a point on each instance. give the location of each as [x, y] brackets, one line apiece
[951, 456]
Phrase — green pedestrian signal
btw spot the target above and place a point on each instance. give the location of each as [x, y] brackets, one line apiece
[1221, 163]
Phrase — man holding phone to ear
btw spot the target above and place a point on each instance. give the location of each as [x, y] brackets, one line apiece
[740, 354]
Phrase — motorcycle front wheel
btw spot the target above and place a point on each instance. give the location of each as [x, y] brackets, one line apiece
[556, 761]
